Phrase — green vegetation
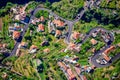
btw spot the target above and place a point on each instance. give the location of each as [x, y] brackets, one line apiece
[5, 10]
[67, 8]
[107, 16]
[42, 13]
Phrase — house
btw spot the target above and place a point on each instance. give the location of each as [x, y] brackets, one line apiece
[93, 41]
[51, 27]
[22, 10]
[17, 17]
[75, 35]
[88, 69]
[106, 58]
[42, 19]
[58, 23]
[70, 74]
[40, 28]
[109, 49]
[94, 34]
[22, 45]
[18, 52]
[33, 49]
[58, 33]
[62, 66]
[16, 35]
[47, 50]
[73, 47]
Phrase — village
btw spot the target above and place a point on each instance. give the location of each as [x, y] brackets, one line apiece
[48, 41]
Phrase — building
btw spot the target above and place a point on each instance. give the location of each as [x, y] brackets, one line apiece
[58, 23]
[106, 58]
[94, 34]
[70, 74]
[75, 35]
[58, 33]
[109, 49]
[51, 27]
[22, 45]
[40, 28]
[62, 66]
[16, 35]
[73, 47]
[42, 19]
[18, 52]
[93, 41]
[33, 49]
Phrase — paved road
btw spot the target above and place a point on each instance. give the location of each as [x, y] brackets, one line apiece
[97, 54]
[19, 40]
[70, 26]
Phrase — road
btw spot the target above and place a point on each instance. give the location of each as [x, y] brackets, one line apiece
[70, 26]
[97, 54]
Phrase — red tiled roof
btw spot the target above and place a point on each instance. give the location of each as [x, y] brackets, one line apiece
[93, 41]
[41, 27]
[76, 35]
[62, 65]
[70, 74]
[58, 23]
[58, 32]
[109, 49]
[106, 57]
[16, 34]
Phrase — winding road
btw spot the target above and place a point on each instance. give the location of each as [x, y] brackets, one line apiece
[97, 54]
[67, 38]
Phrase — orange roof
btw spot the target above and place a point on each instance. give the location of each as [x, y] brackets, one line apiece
[58, 32]
[93, 41]
[62, 65]
[16, 34]
[106, 57]
[41, 27]
[47, 50]
[76, 35]
[109, 49]
[42, 18]
[58, 22]
[70, 74]
[33, 47]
